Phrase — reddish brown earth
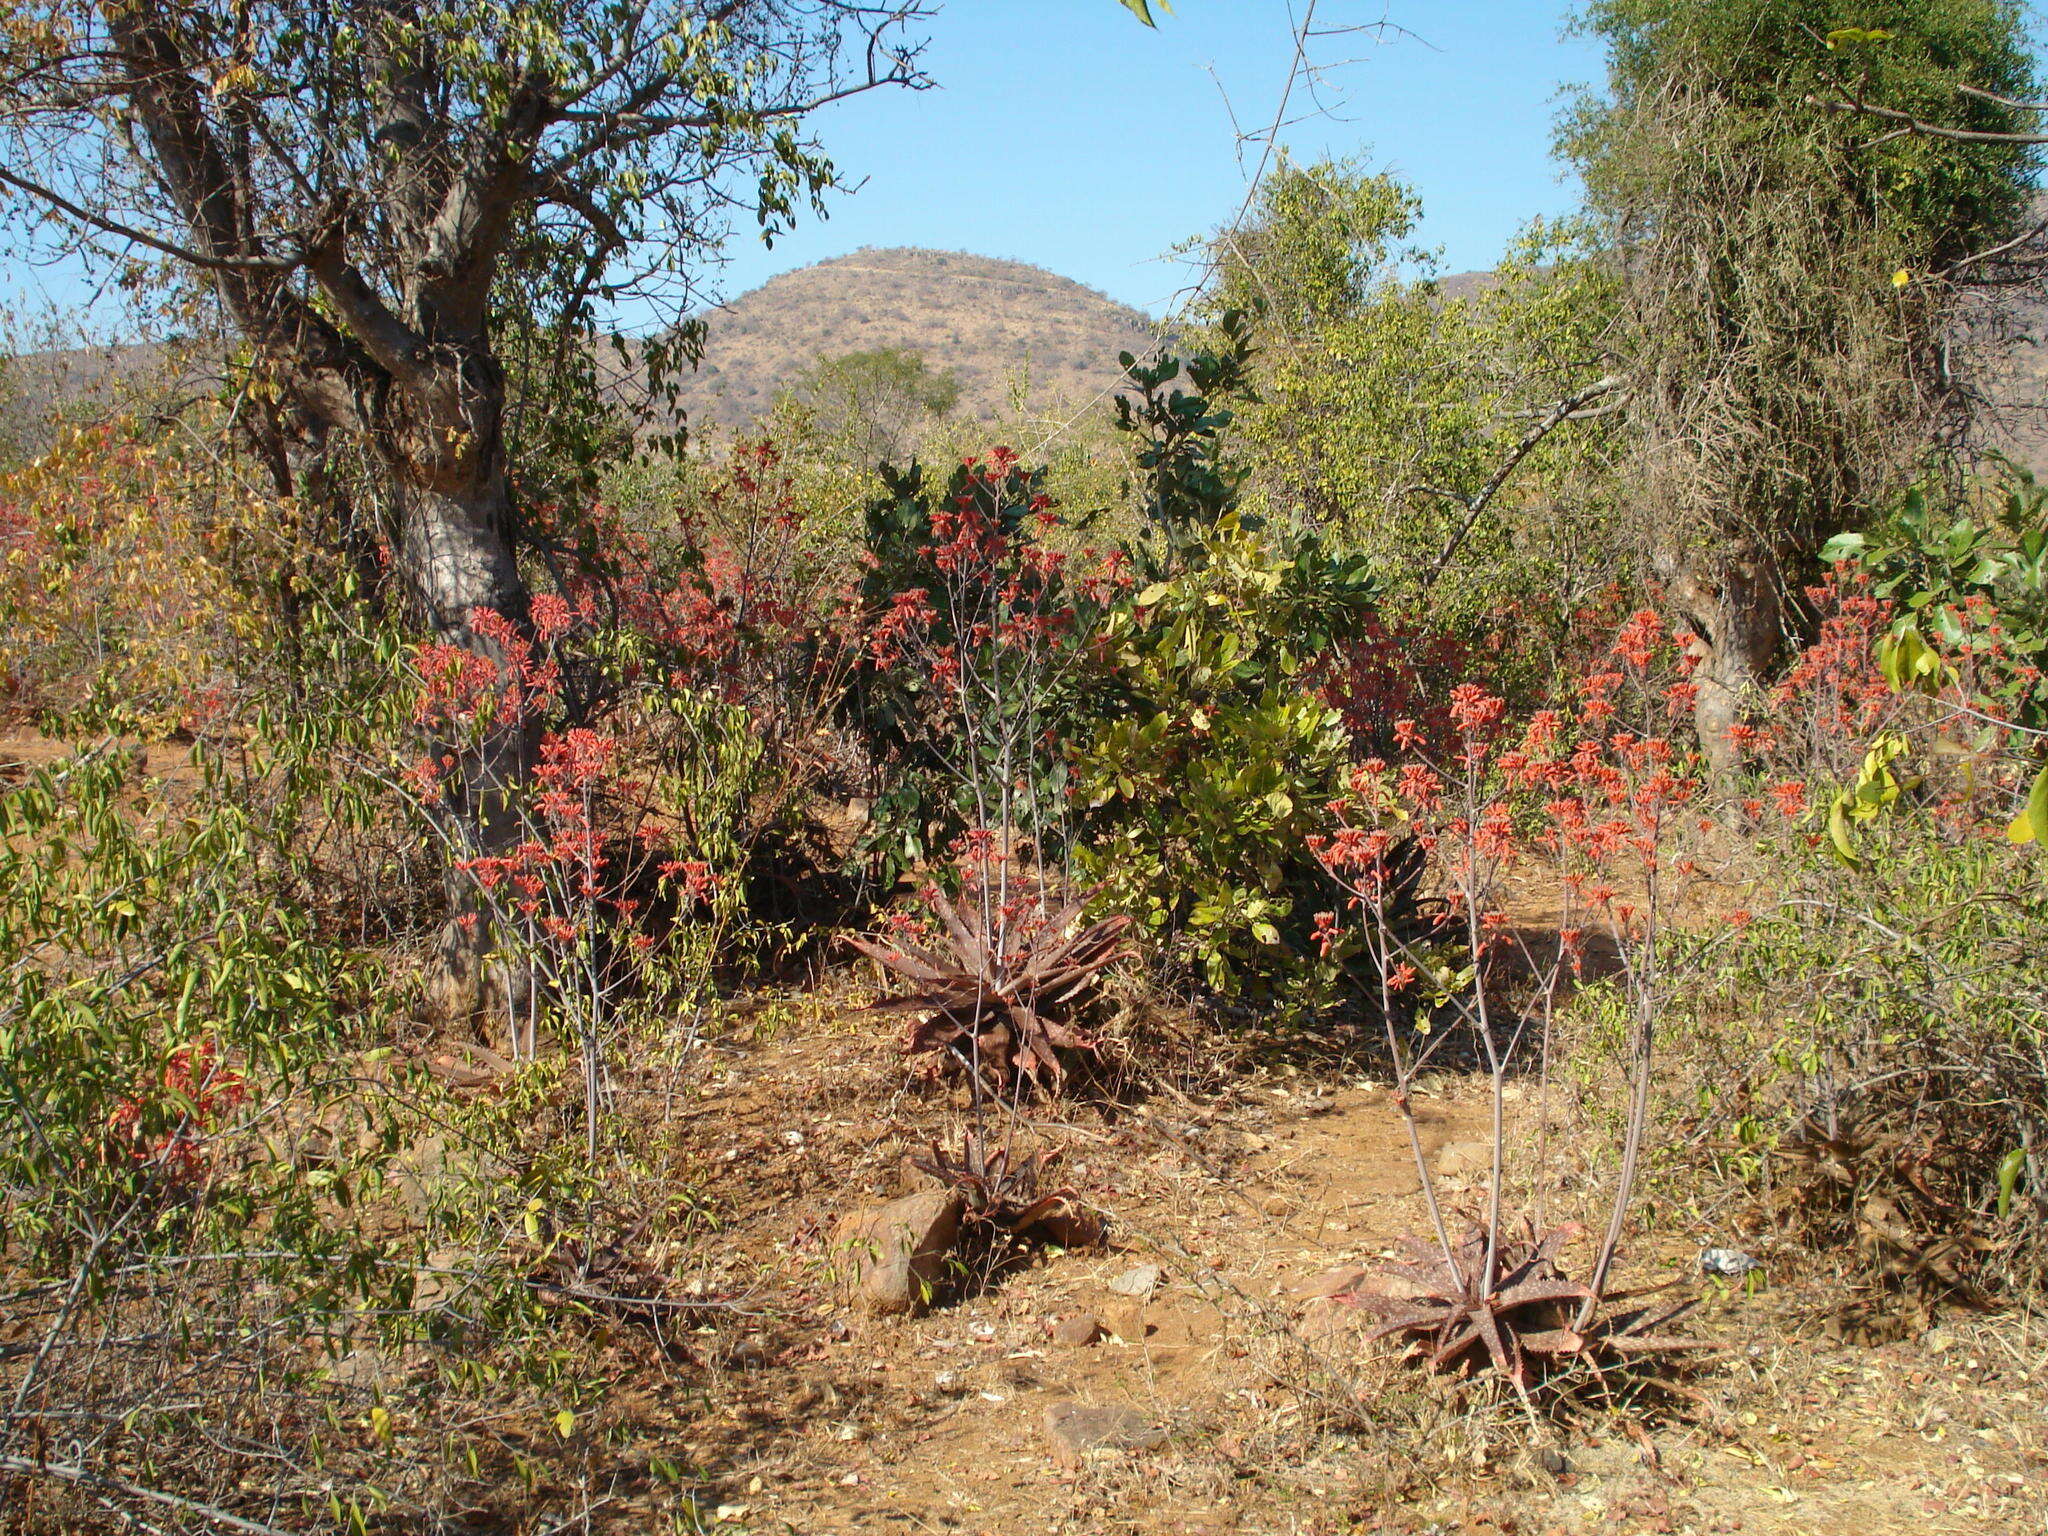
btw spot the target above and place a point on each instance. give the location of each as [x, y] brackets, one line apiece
[1273, 1420]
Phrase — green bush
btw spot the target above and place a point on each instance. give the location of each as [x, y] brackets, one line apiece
[1215, 757]
[1207, 753]
[167, 1035]
[1867, 1053]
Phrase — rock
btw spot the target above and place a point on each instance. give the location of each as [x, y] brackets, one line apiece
[895, 1255]
[1732, 1262]
[1069, 1229]
[1140, 1280]
[1331, 1282]
[447, 1274]
[1079, 1331]
[372, 1369]
[752, 1353]
[432, 1173]
[1130, 1323]
[1075, 1429]
[913, 1180]
[1462, 1159]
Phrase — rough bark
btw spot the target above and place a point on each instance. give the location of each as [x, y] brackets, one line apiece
[441, 443]
[1733, 604]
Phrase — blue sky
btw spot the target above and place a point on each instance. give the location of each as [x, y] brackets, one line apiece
[1063, 133]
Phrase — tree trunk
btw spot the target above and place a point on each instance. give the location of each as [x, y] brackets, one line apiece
[1732, 602]
[442, 444]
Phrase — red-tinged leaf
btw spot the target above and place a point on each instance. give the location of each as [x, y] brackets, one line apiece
[1505, 1360]
[1553, 1341]
[1460, 1341]
[1408, 1321]
[974, 953]
[1653, 1343]
[908, 963]
[1530, 1292]
[1035, 1212]
[1436, 1282]
[1638, 1292]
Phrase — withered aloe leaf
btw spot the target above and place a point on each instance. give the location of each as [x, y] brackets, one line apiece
[1459, 1319]
[966, 976]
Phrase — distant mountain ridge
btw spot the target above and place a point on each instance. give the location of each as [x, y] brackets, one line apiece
[1011, 332]
[1001, 326]
[1014, 335]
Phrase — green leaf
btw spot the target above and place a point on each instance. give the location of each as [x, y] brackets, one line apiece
[1143, 11]
[1843, 546]
[1909, 662]
[2032, 825]
[2009, 1169]
[1840, 841]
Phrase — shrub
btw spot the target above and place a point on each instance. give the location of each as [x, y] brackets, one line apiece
[1891, 1102]
[189, 1115]
[1887, 1105]
[1212, 758]
[978, 626]
[119, 605]
[1207, 752]
[1582, 804]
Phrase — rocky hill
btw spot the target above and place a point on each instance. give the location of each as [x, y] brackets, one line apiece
[1001, 326]
[997, 324]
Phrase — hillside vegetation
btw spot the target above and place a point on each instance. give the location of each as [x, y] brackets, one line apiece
[999, 326]
[1010, 331]
[1021, 340]
[1415, 908]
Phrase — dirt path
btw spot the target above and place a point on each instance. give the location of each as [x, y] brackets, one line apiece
[1269, 1422]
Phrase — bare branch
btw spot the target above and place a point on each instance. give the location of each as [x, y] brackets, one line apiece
[162, 247]
[1931, 130]
[2003, 101]
[393, 344]
[1571, 408]
[80, 1477]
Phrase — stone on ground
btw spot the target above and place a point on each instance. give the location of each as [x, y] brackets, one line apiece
[1079, 1331]
[894, 1256]
[1074, 1429]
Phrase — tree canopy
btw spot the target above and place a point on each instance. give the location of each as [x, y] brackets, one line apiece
[874, 402]
[1395, 410]
[374, 192]
[1790, 275]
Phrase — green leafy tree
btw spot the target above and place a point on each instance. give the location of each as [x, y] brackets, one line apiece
[1790, 277]
[1404, 414]
[1211, 755]
[876, 404]
[1323, 240]
[375, 195]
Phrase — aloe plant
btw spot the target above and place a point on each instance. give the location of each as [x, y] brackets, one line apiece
[994, 992]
